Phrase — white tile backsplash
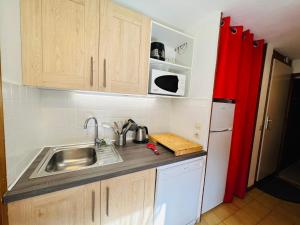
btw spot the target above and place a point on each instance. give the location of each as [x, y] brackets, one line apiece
[22, 121]
[64, 114]
[36, 117]
[191, 119]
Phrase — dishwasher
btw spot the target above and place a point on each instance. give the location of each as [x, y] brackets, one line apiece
[178, 192]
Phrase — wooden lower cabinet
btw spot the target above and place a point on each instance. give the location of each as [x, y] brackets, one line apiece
[124, 200]
[75, 206]
[128, 200]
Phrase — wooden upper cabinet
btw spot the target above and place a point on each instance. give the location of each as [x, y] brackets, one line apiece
[60, 43]
[84, 45]
[75, 206]
[128, 199]
[124, 51]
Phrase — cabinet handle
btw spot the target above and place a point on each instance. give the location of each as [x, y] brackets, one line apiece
[92, 72]
[107, 201]
[93, 206]
[104, 73]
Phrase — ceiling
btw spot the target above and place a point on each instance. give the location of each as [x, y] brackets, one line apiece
[277, 21]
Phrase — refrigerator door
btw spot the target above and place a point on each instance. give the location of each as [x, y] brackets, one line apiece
[218, 155]
[216, 170]
[222, 116]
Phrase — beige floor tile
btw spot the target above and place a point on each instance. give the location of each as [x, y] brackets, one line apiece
[233, 220]
[205, 223]
[254, 193]
[256, 208]
[250, 214]
[247, 218]
[290, 210]
[278, 218]
[202, 222]
[225, 210]
[210, 218]
[268, 200]
[240, 203]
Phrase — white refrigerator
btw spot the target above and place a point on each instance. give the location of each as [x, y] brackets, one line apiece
[218, 153]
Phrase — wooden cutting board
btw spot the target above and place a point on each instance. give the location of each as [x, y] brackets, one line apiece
[178, 144]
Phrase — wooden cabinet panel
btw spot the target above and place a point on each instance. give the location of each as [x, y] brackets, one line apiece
[127, 47]
[60, 43]
[85, 45]
[75, 206]
[129, 199]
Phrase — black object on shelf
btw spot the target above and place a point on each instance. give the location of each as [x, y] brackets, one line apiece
[157, 51]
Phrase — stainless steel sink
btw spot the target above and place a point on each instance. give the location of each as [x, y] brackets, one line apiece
[75, 157]
[71, 159]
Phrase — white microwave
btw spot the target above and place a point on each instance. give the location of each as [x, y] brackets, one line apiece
[167, 83]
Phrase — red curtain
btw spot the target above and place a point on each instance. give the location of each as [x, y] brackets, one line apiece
[251, 113]
[238, 77]
[228, 58]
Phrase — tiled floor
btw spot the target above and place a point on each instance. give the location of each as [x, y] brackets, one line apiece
[256, 208]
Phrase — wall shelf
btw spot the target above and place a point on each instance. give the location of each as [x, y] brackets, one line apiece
[166, 96]
[178, 53]
[168, 66]
[178, 45]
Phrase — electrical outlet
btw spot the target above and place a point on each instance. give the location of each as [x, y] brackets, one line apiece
[198, 126]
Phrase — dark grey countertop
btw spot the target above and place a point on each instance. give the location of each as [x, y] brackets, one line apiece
[136, 158]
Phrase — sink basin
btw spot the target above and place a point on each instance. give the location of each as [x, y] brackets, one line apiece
[70, 158]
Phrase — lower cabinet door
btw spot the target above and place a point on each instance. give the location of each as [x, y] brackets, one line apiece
[75, 206]
[129, 199]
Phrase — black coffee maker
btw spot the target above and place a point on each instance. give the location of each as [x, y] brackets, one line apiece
[157, 51]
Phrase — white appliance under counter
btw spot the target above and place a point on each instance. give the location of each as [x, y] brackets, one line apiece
[179, 192]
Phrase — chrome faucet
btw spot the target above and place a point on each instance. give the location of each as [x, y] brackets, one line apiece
[97, 140]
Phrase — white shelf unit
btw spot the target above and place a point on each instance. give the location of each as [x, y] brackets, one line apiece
[178, 51]
[168, 66]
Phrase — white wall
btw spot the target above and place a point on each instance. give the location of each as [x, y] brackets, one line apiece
[206, 32]
[296, 66]
[191, 117]
[22, 127]
[260, 115]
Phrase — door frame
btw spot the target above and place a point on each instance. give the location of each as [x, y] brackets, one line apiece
[3, 175]
[286, 60]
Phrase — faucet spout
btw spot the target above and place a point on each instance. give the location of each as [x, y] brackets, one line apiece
[96, 139]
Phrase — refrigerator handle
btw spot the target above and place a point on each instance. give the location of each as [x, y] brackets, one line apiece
[222, 130]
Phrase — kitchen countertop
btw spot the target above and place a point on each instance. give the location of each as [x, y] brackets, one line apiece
[136, 158]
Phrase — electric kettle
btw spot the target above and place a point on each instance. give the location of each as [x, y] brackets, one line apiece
[141, 135]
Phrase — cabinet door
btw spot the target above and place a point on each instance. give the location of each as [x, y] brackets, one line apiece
[60, 41]
[129, 199]
[75, 206]
[127, 47]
